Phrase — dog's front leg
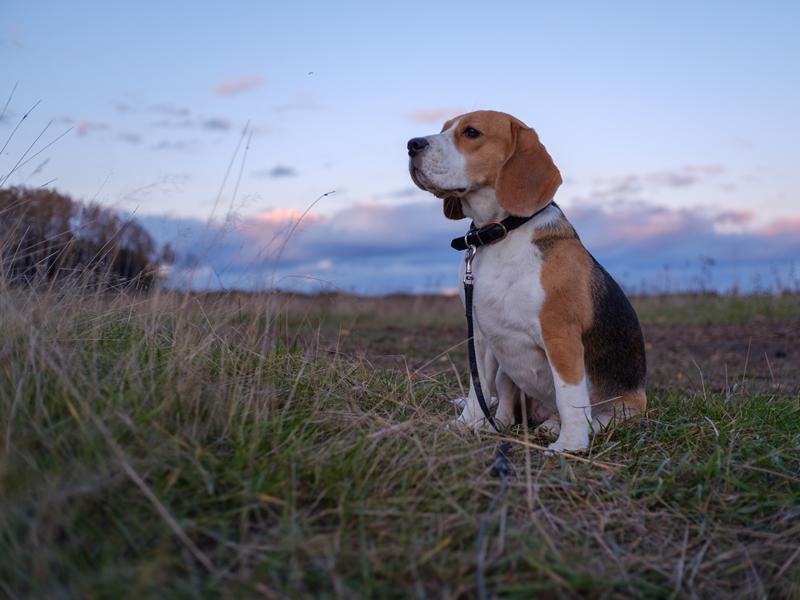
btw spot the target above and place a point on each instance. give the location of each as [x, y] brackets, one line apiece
[572, 395]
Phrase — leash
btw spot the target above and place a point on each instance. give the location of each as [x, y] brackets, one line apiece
[474, 239]
[469, 284]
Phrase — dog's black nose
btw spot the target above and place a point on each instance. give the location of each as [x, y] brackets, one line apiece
[416, 145]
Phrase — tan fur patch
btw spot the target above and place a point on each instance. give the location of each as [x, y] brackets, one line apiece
[635, 403]
[508, 156]
[567, 314]
[448, 124]
[485, 155]
[529, 178]
[629, 405]
[567, 310]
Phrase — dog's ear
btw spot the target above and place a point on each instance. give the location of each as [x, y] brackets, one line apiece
[529, 178]
[452, 208]
[448, 124]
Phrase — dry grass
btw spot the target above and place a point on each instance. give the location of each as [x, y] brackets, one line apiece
[212, 445]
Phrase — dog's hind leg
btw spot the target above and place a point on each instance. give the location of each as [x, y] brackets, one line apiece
[607, 413]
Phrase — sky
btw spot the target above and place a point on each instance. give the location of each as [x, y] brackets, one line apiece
[218, 124]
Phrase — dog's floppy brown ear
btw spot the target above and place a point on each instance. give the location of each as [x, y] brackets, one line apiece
[452, 208]
[529, 178]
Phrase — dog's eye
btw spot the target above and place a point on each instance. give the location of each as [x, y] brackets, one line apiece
[471, 132]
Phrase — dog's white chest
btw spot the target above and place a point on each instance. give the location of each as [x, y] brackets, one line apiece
[507, 298]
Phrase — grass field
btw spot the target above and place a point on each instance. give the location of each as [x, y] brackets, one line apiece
[288, 446]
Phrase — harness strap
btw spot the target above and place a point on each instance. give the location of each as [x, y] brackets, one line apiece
[492, 232]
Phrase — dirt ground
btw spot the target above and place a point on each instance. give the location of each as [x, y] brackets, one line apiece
[762, 356]
[692, 345]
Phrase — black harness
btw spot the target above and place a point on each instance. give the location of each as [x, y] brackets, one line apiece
[488, 234]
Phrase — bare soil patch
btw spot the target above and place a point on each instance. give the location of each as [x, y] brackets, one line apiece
[760, 355]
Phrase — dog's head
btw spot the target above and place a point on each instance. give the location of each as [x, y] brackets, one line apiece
[485, 149]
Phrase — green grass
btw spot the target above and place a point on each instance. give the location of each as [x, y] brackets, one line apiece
[173, 446]
[712, 308]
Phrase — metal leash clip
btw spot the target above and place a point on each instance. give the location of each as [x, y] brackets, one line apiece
[468, 278]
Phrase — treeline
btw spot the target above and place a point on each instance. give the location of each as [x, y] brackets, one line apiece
[46, 236]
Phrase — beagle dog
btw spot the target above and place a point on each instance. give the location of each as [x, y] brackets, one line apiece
[552, 328]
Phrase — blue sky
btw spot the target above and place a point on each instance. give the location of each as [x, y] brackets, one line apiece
[674, 120]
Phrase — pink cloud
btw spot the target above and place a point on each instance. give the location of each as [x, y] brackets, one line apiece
[360, 246]
[86, 127]
[734, 217]
[786, 226]
[436, 115]
[279, 216]
[10, 37]
[648, 230]
[238, 85]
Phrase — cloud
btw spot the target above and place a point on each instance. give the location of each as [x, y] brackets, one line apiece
[238, 85]
[174, 116]
[86, 127]
[129, 138]
[215, 124]
[168, 109]
[356, 248]
[10, 38]
[281, 216]
[131, 104]
[203, 123]
[174, 123]
[373, 248]
[406, 192]
[275, 172]
[179, 145]
[639, 186]
[639, 242]
[783, 227]
[436, 115]
[734, 217]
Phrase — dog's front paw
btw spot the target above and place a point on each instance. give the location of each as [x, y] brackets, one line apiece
[459, 403]
[564, 444]
[463, 423]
